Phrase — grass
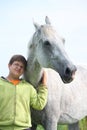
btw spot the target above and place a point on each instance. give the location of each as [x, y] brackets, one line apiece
[82, 124]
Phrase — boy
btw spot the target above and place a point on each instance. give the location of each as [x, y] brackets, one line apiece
[17, 95]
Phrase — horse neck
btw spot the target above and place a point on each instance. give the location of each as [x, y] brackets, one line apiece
[33, 72]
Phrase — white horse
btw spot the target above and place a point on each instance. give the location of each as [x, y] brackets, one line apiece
[73, 100]
[46, 51]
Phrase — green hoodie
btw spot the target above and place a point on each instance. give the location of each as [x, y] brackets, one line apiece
[15, 102]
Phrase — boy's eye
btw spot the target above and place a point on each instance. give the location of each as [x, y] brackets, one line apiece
[17, 65]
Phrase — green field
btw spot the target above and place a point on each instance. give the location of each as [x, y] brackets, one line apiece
[82, 123]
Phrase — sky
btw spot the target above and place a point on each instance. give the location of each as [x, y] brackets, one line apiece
[68, 17]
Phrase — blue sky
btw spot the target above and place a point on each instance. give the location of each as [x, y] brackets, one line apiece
[69, 18]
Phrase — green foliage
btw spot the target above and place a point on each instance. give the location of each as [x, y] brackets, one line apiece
[83, 124]
[62, 127]
[39, 127]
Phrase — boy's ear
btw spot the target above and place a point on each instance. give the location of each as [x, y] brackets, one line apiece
[9, 65]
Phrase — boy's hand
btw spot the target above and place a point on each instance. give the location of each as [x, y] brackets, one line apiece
[44, 78]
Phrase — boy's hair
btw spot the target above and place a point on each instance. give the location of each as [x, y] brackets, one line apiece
[18, 58]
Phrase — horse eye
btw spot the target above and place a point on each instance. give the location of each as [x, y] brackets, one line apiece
[47, 43]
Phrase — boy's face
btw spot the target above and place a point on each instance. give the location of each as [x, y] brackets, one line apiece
[16, 69]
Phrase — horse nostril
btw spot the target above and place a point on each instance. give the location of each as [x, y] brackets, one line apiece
[69, 74]
[67, 71]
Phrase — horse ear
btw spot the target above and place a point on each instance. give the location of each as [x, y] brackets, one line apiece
[36, 25]
[63, 41]
[47, 20]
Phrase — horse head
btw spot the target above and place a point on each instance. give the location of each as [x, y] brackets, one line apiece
[47, 48]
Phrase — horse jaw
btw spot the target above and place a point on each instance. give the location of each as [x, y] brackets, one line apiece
[33, 73]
